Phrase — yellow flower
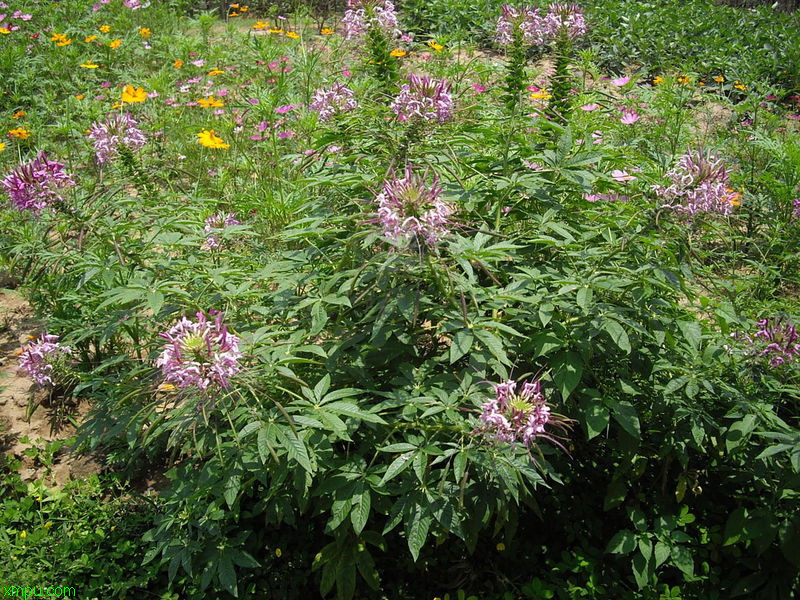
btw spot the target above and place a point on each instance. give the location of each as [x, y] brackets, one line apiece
[700, 83]
[740, 86]
[115, 105]
[4, 31]
[115, 44]
[326, 31]
[23, 534]
[18, 114]
[277, 30]
[58, 37]
[166, 387]
[292, 34]
[48, 525]
[501, 546]
[261, 25]
[131, 94]
[213, 72]
[435, 46]
[733, 197]
[211, 101]
[145, 32]
[278, 552]
[398, 53]
[90, 39]
[105, 28]
[178, 64]
[244, 8]
[2, 146]
[79, 96]
[541, 95]
[658, 80]
[89, 65]
[19, 133]
[209, 139]
[683, 80]
[234, 6]
[64, 43]
[719, 79]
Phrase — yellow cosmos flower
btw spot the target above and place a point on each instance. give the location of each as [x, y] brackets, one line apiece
[244, 8]
[398, 53]
[261, 25]
[326, 31]
[277, 30]
[115, 105]
[89, 65]
[719, 79]
[178, 64]
[435, 46]
[105, 28]
[131, 94]
[64, 43]
[701, 83]
[23, 534]
[18, 114]
[278, 552]
[210, 102]
[541, 95]
[115, 44]
[58, 37]
[20, 133]
[79, 96]
[740, 86]
[4, 31]
[683, 80]
[213, 72]
[292, 34]
[90, 39]
[2, 146]
[209, 139]
[145, 32]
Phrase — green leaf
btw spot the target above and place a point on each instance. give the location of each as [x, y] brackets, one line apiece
[295, 448]
[618, 335]
[397, 466]
[568, 369]
[461, 344]
[351, 410]
[641, 570]
[623, 542]
[417, 531]
[494, 344]
[544, 342]
[661, 553]
[692, 332]
[227, 575]
[625, 414]
[400, 447]
[595, 416]
[360, 513]
[682, 558]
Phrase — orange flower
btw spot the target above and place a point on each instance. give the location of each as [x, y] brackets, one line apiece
[18, 114]
[292, 34]
[734, 197]
[213, 72]
[145, 32]
[19, 133]
[719, 79]
[115, 44]
[90, 39]
[105, 28]
[261, 25]
[178, 64]
[79, 96]
[210, 102]
[326, 31]
[398, 53]
[131, 94]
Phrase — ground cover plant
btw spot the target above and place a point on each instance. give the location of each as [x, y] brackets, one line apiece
[503, 313]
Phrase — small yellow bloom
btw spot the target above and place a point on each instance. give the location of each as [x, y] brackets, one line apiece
[178, 64]
[435, 46]
[209, 139]
[501, 546]
[4, 31]
[398, 53]
[166, 387]
[278, 552]
[79, 96]
[683, 80]
[115, 44]
[89, 65]
[719, 79]
[213, 72]
[292, 34]
[145, 32]
[2, 146]
[700, 83]
[326, 31]
[131, 94]
[211, 101]
[261, 25]
[244, 8]
[541, 95]
[18, 114]
[48, 525]
[234, 6]
[23, 534]
[20, 133]
[115, 105]
[64, 43]
[740, 86]
[733, 197]
[658, 80]
[58, 37]
[105, 28]
[277, 30]
[90, 39]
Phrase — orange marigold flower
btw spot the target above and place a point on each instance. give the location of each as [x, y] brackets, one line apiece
[20, 133]
[145, 32]
[90, 39]
[18, 114]
[80, 96]
[292, 34]
[326, 31]
[115, 44]
[213, 72]
[261, 25]
[178, 64]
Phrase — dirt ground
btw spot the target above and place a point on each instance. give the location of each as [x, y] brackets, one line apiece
[52, 420]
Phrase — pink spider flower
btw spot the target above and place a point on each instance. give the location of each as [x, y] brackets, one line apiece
[214, 225]
[363, 15]
[423, 98]
[37, 184]
[409, 208]
[700, 183]
[39, 359]
[200, 354]
[117, 129]
[776, 340]
[333, 100]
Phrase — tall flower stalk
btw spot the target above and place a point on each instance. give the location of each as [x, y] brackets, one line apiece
[375, 23]
[36, 185]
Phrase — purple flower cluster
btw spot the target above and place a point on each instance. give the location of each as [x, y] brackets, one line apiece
[201, 354]
[333, 100]
[37, 184]
[776, 338]
[796, 209]
[215, 223]
[38, 358]
[561, 20]
[700, 183]
[136, 4]
[117, 129]
[408, 207]
[512, 417]
[361, 15]
[424, 98]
